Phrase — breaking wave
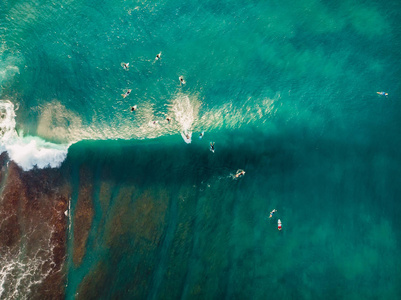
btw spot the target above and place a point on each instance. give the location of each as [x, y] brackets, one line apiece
[27, 151]
[59, 127]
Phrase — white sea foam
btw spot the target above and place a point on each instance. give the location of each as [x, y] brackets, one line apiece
[27, 152]
[231, 116]
[7, 122]
[8, 66]
[186, 111]
[57, 123]
[60, 125]
[19, 272]
[7, 72]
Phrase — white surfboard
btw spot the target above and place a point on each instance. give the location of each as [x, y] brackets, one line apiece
[186, 136]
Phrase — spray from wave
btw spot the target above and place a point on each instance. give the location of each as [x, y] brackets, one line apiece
[63, 127]
[28, 151]
[183, 113]
[58, 124]
[185, 110]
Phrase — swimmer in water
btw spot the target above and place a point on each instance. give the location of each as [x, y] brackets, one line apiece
[158, 56]
[382, 93]
[133, 108]
[125, 66]
[181, 80]
[212, 146]
[126, 94]
[168, 120]
[272, 212]
[240, 173]
[201, 135]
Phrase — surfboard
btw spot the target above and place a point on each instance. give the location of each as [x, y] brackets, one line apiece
[211, 149]
[125, 67]
[184, 136]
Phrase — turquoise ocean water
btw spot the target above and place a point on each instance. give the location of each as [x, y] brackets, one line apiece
[287, 91]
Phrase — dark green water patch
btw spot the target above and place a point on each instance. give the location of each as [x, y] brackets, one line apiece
[172, 221]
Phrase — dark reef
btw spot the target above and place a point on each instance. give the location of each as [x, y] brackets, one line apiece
[33, 231]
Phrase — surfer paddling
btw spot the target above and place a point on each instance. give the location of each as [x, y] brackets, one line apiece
[212, 146]
[272, 212]
[182, 81]
[133, 108]
[382, 93]
[158, 56]
[239, 173]
[125, 66]
[126, 93]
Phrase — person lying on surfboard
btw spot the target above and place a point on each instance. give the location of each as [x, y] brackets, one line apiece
[272, 212]
[240, 173]
[125, 66]
[126, 94]
[382, 93]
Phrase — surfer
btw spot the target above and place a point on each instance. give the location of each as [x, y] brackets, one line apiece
[133, 108]
[239, 173]
[125, 66]
[272, 212]
[181, 78]
[186, 135]
[168, 120]
[212, 146]
[126, 94]
[201, 135]
[382, 93]
[158, 56]
[279, 224]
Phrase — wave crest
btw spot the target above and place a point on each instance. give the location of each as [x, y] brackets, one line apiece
[28, 151]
